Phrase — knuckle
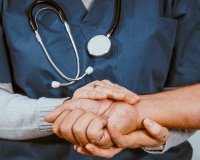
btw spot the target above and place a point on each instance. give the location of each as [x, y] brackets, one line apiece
[64, 128]
[98, 120]
[80, 110]
[77, 129]
[91, 133]
[90, 114]
[101, 89]
[96, 82]
[105, 80]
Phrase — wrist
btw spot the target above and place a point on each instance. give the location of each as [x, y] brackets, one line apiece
[144, 108]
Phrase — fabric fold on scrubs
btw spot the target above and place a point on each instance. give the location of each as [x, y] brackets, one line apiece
[184, 67]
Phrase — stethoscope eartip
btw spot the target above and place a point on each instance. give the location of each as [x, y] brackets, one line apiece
[89, 70]
[55, 84]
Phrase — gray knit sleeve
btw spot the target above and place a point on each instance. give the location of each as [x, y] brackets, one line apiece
[22, 117]
[176, 137]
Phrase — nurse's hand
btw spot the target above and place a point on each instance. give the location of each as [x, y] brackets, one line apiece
[100, 90]
[151, 137]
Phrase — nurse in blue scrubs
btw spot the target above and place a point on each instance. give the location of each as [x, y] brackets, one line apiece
[156, 44]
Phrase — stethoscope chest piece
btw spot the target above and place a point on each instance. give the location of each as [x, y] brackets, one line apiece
[99, 46]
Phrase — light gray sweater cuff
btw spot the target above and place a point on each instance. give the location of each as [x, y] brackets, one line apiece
[176, 137]
[47, 105]
[22, 117]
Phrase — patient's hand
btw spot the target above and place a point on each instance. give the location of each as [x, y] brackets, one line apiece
[75, 120]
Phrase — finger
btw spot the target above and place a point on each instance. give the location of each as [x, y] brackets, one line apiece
[95, 129]
[131, 97]
[80, 128]
[113, 91]
[106, 88]
[122, 141]
[160, 133]
[57, 123]
[83, 150]
[118, 87]
[89, 93]
[66, 128]
[51, 117]
[106, 153]
[135, 139]
[105, 141]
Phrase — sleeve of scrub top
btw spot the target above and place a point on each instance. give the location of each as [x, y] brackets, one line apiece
[23, 117]
[185, 63]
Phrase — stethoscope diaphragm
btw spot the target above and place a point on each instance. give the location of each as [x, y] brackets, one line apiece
[99, 46]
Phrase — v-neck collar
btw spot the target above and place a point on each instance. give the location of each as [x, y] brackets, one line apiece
[88, 20]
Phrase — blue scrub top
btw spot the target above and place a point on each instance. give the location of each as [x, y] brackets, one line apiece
[156, 44]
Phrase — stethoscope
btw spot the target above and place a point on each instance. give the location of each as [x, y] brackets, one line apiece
[97, 46]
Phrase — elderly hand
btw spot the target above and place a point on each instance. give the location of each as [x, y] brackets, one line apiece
[100, 90]
[80, 116]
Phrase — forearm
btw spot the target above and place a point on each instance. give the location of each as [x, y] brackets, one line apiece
[22, 117]
[179, 108]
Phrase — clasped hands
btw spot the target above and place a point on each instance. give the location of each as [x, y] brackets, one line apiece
[104, 121]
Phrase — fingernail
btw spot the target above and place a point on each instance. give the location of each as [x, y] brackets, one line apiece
[134, 98]
[111, 128]
[121, 94]
[148, 122]
[89, 149]
[79, 150]
[75, 147]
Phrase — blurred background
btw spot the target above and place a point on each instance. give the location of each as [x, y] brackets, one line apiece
[195, 142]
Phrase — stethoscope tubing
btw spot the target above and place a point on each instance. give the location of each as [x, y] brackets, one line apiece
[46, 52]
[51, 3]
[117, 18]
[61, 14]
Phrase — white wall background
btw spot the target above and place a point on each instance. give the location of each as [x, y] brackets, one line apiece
[195, 142]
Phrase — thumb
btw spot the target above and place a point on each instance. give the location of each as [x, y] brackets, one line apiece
[122, 141]
[52, 116]
[160, 133]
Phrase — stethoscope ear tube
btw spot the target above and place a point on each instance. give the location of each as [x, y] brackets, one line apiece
[117, 18]
[53, 4]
